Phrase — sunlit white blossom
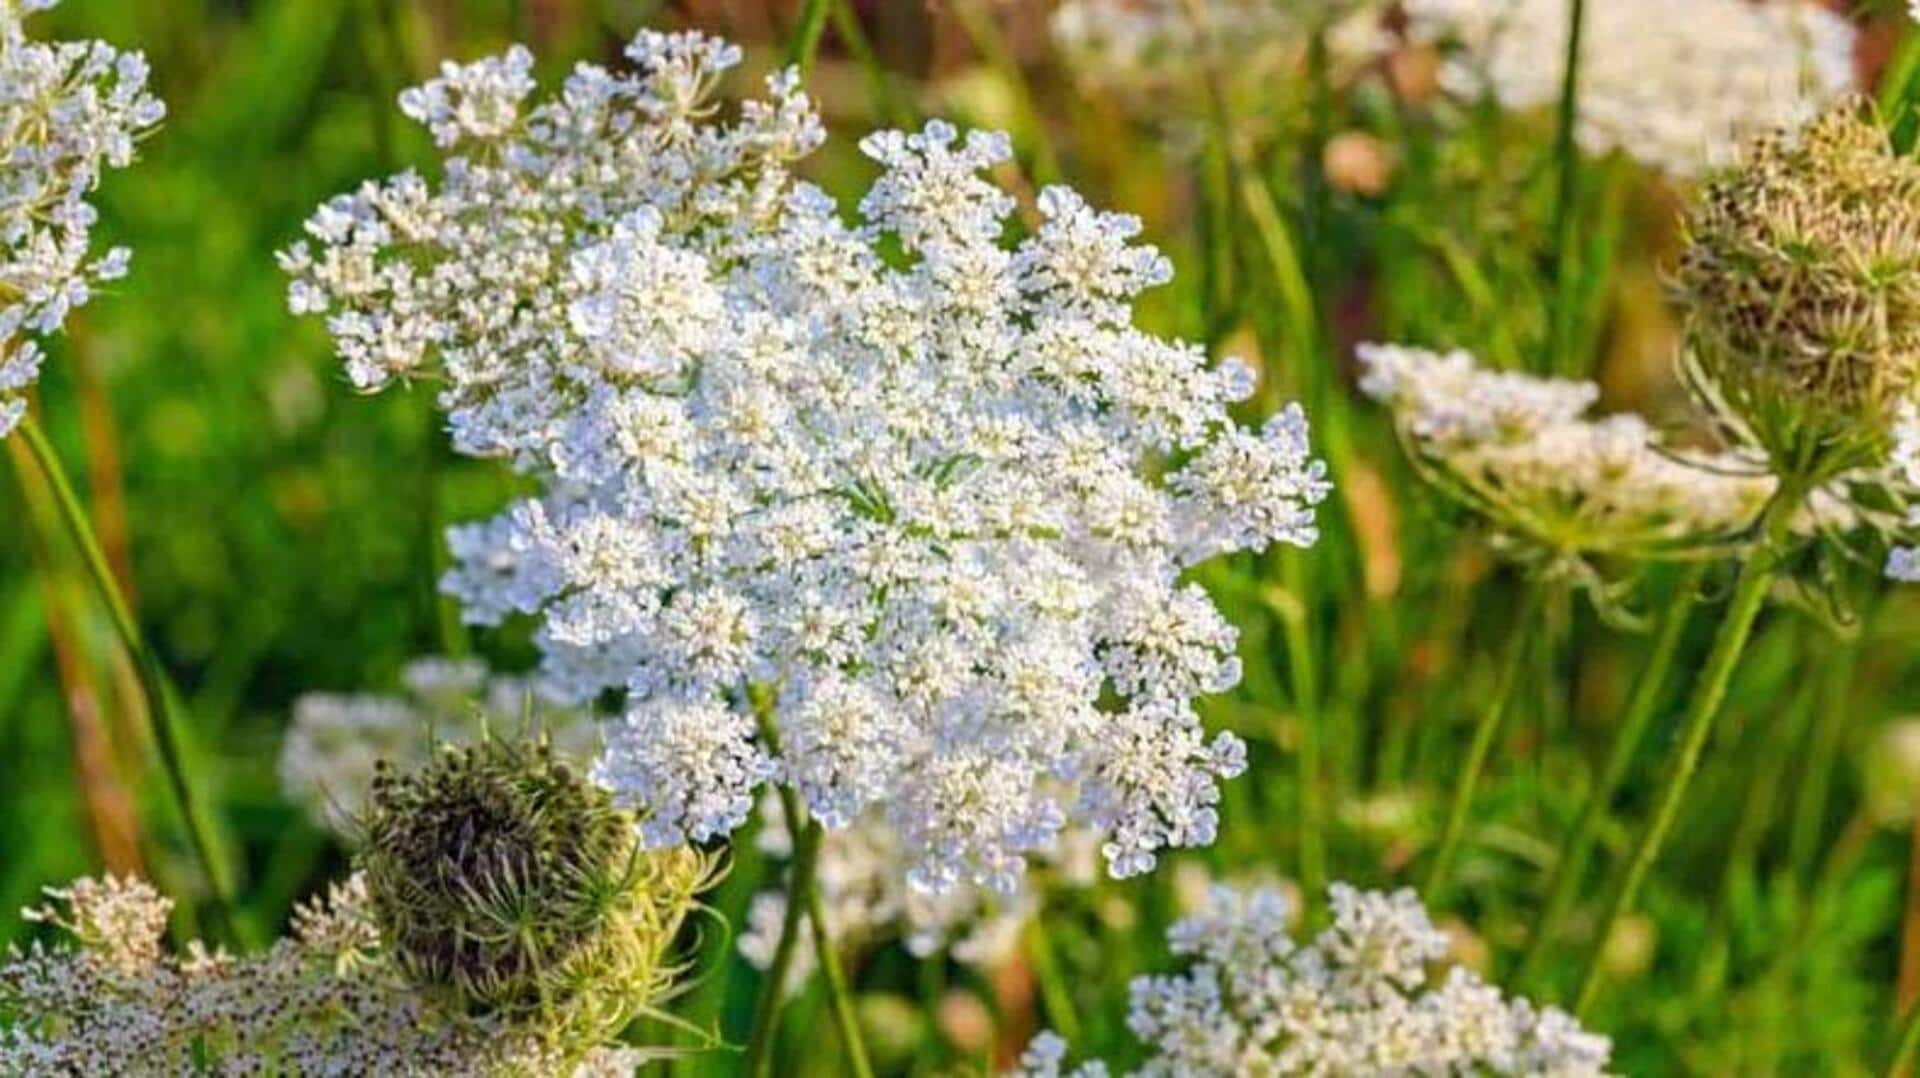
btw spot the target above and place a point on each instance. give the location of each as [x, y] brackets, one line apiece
[1359, 998]
[920, 499]
[69, 111]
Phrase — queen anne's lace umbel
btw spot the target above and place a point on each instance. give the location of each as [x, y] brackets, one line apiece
[1356, 999]
[1557, 485]
[913, 499]
[69, 110]
[1679, 98]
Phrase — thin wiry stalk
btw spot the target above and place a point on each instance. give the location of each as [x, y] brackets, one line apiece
[804, 43]
[1566, 161]
[1570, 869]
[1749, 596]
[162, 708]
[1485, 732]
[839, 995]
[766, 1009]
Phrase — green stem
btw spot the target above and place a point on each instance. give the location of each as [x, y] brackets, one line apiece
[1306, 705]
[1484, 735]
[806, 35]
[846, 26]
[1810, 806]
[1749, 596]
[773, 989]
[839, 997]
[1908, 1042]
[1570, 869]
[162, 708]
[1053, 987]
[1566, 156]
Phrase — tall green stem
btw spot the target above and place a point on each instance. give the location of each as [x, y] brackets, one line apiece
[1484, 735]
[803, 898]
[839, 996]
[1570, 869]
[1566, 159]
[162, 708]
[805, 41]
[1749, 596]
[1301, 667]
[766, 1009]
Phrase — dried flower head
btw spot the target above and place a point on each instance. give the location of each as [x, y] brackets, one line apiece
[1801, 286]
[324, 1001]
[334, 743]
[1559, 488]
[69, 110]
[501, 876]
[1357, 999]
[1680, 100]
[904, 485]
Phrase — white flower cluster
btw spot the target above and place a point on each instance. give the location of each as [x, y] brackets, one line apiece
[334, 743]
[893, 491]
[1557, 485]
[323, 1001]
[1357, 999]
[68, 111]
[862, 882]
[1680, 98]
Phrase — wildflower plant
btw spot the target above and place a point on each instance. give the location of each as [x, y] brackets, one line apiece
[69, 111]
[1358, 998]
[891, 512]
[503, 880]
[325, 1000]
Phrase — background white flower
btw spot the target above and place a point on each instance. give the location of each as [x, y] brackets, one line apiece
[1358, 998]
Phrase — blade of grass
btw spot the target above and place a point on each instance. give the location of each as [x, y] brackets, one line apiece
[168, 726]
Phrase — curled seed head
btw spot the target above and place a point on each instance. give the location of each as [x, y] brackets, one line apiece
[503, 877]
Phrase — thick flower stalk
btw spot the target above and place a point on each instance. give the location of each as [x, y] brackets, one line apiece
[916, 501]
[1359, 998]
[335, 744]
[69, 111]
[325, 1000]
[1681, 100]
[501, 878]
